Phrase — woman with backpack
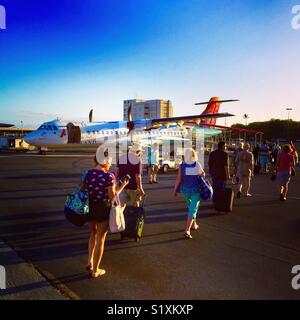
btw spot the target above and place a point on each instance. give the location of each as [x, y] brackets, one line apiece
[187, 183]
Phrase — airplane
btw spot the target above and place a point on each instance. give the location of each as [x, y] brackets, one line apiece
[62, 134]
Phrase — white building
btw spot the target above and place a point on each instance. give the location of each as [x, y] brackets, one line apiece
[150, 109]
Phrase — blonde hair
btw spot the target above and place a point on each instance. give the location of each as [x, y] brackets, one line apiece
[190, 155]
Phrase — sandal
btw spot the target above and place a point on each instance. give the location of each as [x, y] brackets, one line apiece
[188, 235]
[98, 273]
[196, 227]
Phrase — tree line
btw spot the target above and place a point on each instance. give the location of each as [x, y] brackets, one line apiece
[274, 129]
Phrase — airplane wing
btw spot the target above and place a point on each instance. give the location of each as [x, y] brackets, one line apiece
[188, 119]
[6, 125]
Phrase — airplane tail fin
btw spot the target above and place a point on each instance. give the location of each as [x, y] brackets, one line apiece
[213, 107]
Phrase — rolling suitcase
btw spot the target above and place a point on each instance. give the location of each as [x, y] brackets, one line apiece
[223, 200]
[134, 223]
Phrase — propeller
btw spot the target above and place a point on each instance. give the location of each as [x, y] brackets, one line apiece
[91, 116]
[129, 112]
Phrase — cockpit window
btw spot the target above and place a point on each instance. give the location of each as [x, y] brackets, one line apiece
[47, 127]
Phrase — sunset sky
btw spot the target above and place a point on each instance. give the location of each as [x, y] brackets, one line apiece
[62, 58]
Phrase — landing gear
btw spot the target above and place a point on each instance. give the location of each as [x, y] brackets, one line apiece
[43, 151]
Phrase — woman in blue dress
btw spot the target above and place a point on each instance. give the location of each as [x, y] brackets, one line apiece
[187, 183]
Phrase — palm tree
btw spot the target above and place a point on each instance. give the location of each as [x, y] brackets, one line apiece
[246, 117]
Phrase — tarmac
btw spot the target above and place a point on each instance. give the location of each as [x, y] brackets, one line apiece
[247, 254]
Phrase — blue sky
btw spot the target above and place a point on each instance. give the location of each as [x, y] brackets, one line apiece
[61, 58]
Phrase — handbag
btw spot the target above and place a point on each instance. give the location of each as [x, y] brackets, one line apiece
[77, 208]
[116, 216]
[205, 189]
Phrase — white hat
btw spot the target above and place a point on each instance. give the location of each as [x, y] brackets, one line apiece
[102, 156]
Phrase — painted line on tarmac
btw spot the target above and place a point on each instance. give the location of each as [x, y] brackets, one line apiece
[56, 283]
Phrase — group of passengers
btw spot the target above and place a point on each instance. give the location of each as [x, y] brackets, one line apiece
[281, 161]
[103, 186]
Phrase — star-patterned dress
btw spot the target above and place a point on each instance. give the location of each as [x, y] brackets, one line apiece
[97, 183]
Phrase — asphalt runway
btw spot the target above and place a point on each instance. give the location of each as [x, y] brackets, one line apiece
[248, 254]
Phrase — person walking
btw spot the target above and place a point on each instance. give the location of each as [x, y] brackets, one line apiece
[187, 182]
[256, 153]
[274, 152]
[102, 190]
[245, 169]
[264, 156]
[285, 164]
[294, 152]
[130, 164]
[153, 163]
[219, 167]
[234, 162]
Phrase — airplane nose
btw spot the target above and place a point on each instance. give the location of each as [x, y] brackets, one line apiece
[29, 139]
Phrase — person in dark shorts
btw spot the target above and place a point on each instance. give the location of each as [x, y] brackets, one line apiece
[101, 186]
[219, 167]
[130, 164]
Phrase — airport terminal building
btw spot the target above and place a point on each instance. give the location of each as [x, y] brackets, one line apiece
[149, 109]
[11, 137]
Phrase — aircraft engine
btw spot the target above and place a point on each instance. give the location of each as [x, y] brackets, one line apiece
[139, 125]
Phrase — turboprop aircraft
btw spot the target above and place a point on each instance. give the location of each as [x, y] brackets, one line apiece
[63, 134]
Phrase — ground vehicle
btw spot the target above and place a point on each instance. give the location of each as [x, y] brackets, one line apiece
[166, 165]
